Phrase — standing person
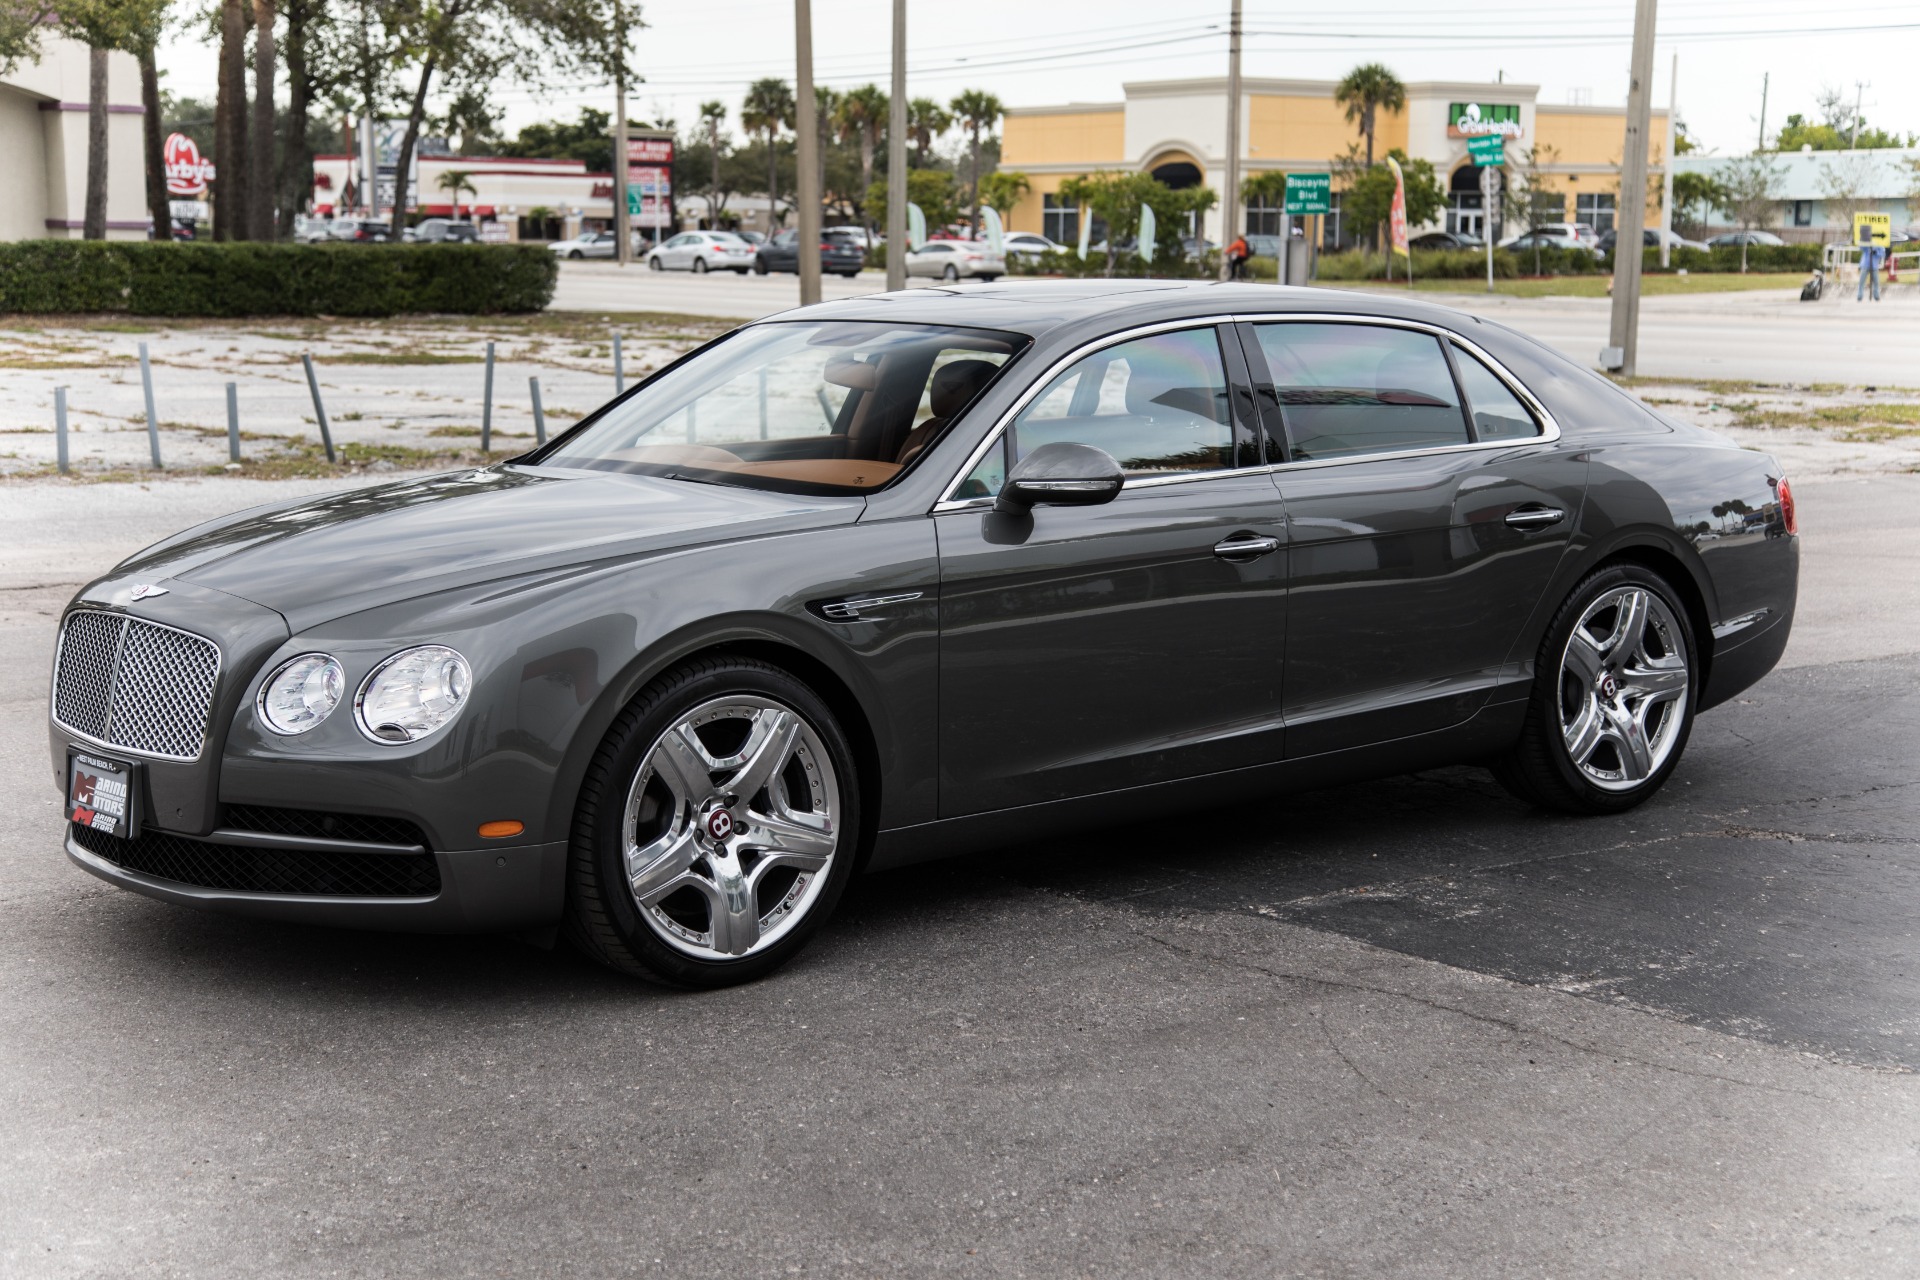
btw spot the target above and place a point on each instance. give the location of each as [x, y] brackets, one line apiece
[1237, 255]
[1869, 262]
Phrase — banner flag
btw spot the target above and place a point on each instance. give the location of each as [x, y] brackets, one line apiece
[1147, 228]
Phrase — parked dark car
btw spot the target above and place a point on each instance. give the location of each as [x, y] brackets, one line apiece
[1650, 237]
[889, 578]
[839, 255]
[1447, 240]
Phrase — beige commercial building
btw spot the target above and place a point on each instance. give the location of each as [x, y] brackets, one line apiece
[43, 145]
[1177, 130]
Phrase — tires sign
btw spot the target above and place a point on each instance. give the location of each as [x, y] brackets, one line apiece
[187, 173]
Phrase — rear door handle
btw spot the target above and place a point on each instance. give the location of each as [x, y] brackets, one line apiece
[1245, 546]
[1535, 517]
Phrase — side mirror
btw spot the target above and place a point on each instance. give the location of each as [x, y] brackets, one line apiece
[1061, 475]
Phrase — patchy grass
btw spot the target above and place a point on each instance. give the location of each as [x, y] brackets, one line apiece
[473, 433]
[414, 356]
[309, 461]
[1874, 422]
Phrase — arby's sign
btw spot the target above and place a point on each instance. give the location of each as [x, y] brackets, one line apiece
[187, 174]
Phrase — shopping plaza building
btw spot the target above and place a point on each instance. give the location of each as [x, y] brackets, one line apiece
[1177, 131]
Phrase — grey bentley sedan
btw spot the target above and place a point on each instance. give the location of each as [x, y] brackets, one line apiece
[890, 578]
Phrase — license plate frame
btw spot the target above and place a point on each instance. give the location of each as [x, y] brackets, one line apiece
[98, 783]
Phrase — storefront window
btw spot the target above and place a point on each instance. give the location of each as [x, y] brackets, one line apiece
[1264, 220]
[1059, 221]
[1595, 208]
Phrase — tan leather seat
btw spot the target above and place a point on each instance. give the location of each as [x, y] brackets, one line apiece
[954, 387]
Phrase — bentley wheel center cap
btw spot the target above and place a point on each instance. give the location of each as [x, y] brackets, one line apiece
[719, 825]
[1609, 688]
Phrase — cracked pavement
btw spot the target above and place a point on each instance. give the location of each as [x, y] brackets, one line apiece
[1408, 1028]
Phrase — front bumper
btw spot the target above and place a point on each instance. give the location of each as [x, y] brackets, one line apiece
[480, 890]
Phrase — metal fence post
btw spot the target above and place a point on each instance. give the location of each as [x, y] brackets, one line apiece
[233, 422]
[319, 409]
[60, 427]
[486, 407]
[539, 414]
[619, 372]
[153, 422]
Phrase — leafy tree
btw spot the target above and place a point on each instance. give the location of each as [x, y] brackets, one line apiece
[1367, 191]
[1268, 187]
[1116, 198]
[1693, 192]
[471, 118]
[588, 140]
[976, 111]
[1798, 132]
[931, 189]
[105, 26]
[1752, 189]
[1847, 183]
[1364, 91]
[861, 115]
[1525, 196]
[926, 120]
[1003, 189]
[769, 109]
[712, 116]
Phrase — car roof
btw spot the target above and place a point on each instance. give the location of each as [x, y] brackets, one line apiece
[1036, 307]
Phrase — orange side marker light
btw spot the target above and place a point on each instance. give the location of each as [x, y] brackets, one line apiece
[501, 830]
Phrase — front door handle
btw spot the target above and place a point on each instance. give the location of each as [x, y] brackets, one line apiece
[1534, 516]
[1245, 546]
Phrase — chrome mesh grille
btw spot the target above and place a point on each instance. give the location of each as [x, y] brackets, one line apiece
[135, 684]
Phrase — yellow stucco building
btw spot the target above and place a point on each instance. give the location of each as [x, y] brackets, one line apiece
[1176, 130]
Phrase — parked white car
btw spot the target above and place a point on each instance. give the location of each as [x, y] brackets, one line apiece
[1030, 244]
[954, 259]
[589, 244]
[1557, 235]
[703, 251]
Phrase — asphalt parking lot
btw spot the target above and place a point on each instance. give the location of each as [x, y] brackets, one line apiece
[1406, 1028]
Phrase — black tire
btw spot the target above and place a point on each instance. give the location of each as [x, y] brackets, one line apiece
[654, 264]
[952, 273]
[739, 271]
[1540, 769]
[576, 255]
[759, 266]
[851, 275]
[699, 266]
[603, 920]
[987, 279]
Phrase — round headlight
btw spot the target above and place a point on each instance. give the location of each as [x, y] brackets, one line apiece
[413, 693]
[301, 693]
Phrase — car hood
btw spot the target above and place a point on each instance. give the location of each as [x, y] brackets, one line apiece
[320, 558]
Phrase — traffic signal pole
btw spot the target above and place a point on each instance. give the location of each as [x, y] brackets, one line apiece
[1630, 217]
[897, 155]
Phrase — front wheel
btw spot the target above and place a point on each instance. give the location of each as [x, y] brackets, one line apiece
[716, 828]
[576, 255]
[654, 264]
[1615, 685]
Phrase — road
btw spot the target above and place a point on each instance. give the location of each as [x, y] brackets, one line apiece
[1766, 335]
[1407, 1028]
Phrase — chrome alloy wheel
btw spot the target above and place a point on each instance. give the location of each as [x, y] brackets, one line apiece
[1623, 688]
[731, 827]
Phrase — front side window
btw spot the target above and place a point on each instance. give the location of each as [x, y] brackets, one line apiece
[838, 407]
[1352, 389]
[1157, 404]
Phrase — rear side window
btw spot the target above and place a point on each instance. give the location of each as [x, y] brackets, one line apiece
[1347, 390]
[1497, 412]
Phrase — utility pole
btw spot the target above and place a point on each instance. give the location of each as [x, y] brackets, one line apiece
[1230, 199]
[1630, 217]
[806, 158]
[1859, 101]
[1666, 179]
[897, 155]
[622, 220]
[1762, 144]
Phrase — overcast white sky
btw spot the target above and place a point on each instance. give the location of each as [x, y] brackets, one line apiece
[1083, 50]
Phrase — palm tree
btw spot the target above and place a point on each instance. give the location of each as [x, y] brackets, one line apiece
[926, 120]
[769, 107]
[1365, 90]
[826, 112]
[711, 115]
[454, 181]
[861, 114]
[977, 112]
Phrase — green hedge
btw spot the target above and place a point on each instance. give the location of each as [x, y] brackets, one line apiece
[241, 279]
[1726, 257]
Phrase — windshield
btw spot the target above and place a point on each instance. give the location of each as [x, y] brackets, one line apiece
[839, 407]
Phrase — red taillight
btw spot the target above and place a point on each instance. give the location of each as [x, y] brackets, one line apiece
[1787, 512]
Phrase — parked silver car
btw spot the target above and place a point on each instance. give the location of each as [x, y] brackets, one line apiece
[703, 251]
[954, 259]
[589, 244]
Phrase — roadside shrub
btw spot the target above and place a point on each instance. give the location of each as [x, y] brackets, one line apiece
[245, 279]
[1126, 266]
[1726, 257]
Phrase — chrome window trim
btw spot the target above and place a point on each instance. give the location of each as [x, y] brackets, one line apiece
[53, 685]
[1549, 426]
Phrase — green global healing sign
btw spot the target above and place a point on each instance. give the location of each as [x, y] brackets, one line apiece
[1480, 119]
[1309, 193]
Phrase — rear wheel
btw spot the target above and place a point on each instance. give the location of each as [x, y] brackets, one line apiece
[759, 266]
[699, 266]
[952, 272]
[1614, 691]
[716, 828]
